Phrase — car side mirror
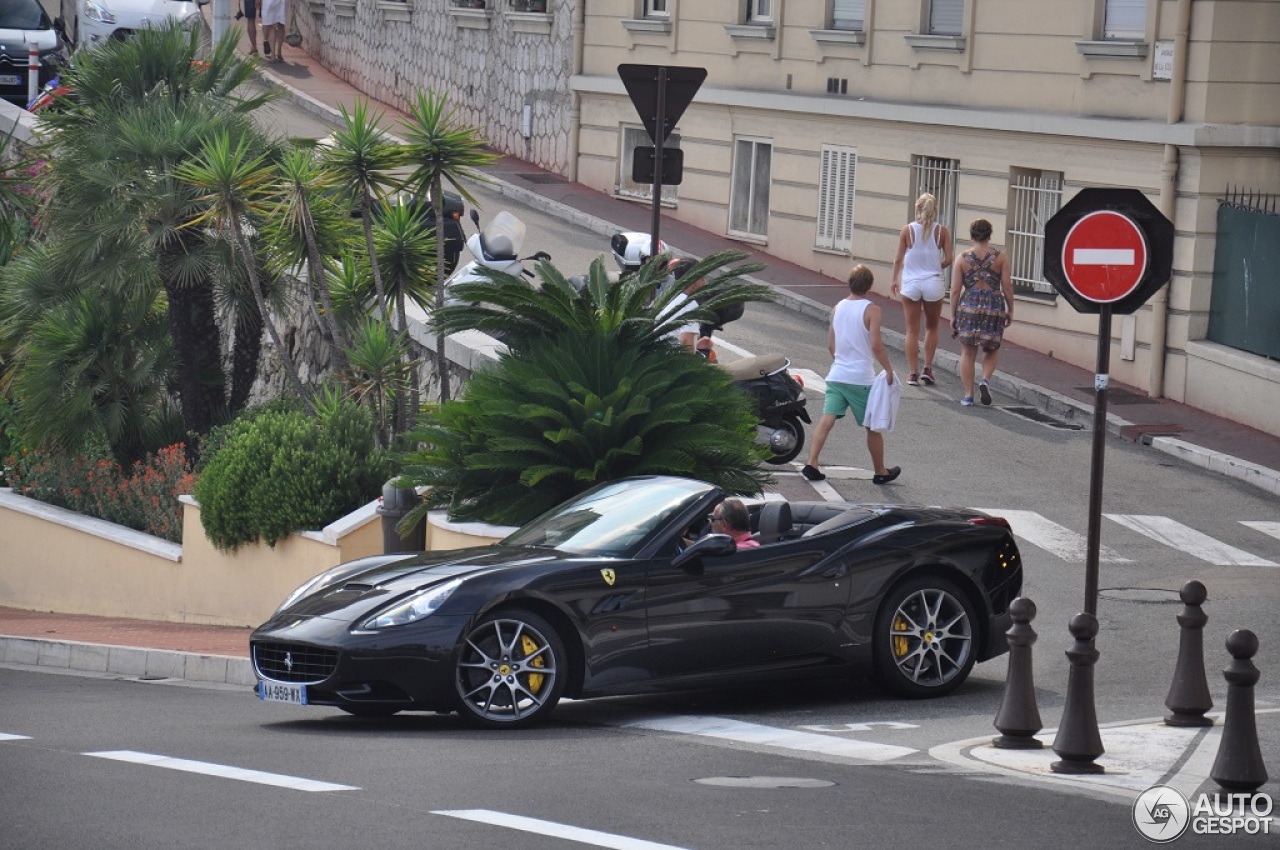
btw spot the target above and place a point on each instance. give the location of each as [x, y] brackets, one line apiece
[713, 545]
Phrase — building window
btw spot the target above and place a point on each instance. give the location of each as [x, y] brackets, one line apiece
[1034, 197]
[528, 5]
[835, 198]
[749, 198]
[656, 9]
[946, 17]
[634, 137]
[938, 177]
[760, 11]
[847, 14]
[1125, 20]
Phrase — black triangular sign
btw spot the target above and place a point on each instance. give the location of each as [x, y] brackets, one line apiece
[641, 82]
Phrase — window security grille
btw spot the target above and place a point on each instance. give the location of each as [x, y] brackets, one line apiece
[946, 17]
[938, 177]
[1034, 197]
[836, 180]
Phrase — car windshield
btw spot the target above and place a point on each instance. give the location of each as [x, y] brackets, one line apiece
[22, 15]
[615, 519]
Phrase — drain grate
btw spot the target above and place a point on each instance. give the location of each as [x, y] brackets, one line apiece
[1115, 396]
[1033, 415]
[536, 177]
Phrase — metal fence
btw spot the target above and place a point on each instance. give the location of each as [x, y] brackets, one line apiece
[1034, 197]
[1244, 309]
[936, 176]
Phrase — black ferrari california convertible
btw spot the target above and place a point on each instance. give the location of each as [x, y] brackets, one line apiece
[605, 595]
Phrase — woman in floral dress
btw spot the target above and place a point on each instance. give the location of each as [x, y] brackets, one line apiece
[982, 307]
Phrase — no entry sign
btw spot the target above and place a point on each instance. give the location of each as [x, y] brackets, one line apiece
[1108, 248]
[1104, 256]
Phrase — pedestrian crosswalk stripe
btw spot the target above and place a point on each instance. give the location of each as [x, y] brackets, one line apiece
[1266, 527]
[297, 783]
[1048, 535]
[725, 729]
[1189, 541]
[813, 382]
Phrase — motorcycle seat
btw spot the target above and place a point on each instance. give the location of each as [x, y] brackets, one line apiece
[750, 368]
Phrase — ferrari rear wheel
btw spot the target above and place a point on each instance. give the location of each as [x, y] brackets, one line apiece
[925, 638]
[511, 670]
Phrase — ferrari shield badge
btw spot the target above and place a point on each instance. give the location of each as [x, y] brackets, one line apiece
[608, 576]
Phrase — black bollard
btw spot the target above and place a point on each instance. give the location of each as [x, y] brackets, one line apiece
[1018, 718]
[1188, 697]
[1078, 742]
[1239, 766]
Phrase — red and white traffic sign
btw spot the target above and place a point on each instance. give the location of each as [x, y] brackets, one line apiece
[1104, 256]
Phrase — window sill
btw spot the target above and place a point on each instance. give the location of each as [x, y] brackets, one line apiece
[952, 43]
[854, 37]
[344, 8]
[538, 23]
[395, 10]
[749, 238]
[316, 6]
[756, 32]
[470, 19]
[647, 25]
[1112, 49]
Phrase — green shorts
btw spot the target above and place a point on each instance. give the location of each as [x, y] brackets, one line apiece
[842, 397]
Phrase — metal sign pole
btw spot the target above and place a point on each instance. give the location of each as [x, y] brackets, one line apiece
[660, 136]
[1100, 381]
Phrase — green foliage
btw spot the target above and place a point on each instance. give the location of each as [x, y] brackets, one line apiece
[282, 471]
[10, 443]
[578, 410]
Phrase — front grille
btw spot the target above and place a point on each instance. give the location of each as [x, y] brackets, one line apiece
[294, 662]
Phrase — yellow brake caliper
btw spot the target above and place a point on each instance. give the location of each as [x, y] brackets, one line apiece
[529, 647]
[900, 647]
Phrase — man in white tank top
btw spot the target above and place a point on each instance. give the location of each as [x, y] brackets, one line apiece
[924, 250]
[853, 338]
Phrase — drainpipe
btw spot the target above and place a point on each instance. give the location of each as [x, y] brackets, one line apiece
[1168, 195]
[575, 99]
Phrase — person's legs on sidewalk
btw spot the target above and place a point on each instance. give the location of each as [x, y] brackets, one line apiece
[968, 356]
[251, 25]
[932, 313]
[825, 423]
[875, 445]
[911, 312]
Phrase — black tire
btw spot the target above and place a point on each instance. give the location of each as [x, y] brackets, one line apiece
[926, 638]
[795, 427]
[510, 671]
[369, 711]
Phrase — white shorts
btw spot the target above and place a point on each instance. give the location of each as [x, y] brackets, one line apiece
[272, 12]
[924, 289]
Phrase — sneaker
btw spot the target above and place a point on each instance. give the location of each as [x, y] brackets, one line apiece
[913, 380]
[926, 377]
[266, 47]
[984, 392]
[894, 472]
[812, 473]
[967, 401]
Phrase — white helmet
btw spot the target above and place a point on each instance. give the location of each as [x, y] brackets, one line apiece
[632, 250]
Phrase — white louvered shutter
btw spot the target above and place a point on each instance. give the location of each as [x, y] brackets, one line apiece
[835, 197]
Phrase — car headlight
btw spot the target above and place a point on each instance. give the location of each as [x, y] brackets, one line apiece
[413, 608]
[192, 19]
[96, 10]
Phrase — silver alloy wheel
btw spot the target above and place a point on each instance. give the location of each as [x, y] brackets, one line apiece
[508, 670]
[931, 637]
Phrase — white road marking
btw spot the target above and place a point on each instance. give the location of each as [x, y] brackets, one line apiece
[210, 769]
[787, 739]
[812, 381]
[861, 727]
[1051, 537]
[725, 345]
[1266, 527]
[1189, 541]
[1103, 257]
[4, 736]
[556, 830]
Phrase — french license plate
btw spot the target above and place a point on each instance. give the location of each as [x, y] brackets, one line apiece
[281, 692]
[10, 80]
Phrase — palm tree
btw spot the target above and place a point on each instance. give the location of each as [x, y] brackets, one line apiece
[234, 181]
[441, 151]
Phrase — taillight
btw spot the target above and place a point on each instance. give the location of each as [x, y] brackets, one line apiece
[799, 380]
[989, 520]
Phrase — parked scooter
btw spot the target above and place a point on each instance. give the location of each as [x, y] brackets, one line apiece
[495, 247]
[780, 401]
[633, 250]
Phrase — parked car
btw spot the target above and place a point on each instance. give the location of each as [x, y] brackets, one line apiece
[89, 22]
[603, 596]
[23, 22]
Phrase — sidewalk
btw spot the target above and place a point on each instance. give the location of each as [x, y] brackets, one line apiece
[1052, 387]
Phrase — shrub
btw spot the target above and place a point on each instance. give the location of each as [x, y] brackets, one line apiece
[281, 471]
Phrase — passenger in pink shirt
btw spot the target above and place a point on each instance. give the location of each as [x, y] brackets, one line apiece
[731, 517]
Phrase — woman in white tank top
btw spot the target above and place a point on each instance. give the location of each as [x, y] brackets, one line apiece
[924, 250]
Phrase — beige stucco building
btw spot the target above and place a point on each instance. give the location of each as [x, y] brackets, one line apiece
[821, 120]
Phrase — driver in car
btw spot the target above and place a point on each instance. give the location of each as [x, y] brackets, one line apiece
[731, 517]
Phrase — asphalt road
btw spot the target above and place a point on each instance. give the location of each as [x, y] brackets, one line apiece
[110, 763]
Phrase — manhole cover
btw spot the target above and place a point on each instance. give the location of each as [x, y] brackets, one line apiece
[1033, 415]
[1115, 396]
[764, 782]
[1140, 594]
[542, 178]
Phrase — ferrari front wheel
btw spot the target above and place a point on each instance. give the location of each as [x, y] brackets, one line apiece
[511, 670]
[925, 644]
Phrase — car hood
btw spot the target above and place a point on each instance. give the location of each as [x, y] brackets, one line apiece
[134, 14]
[378, 581]
[13, 42]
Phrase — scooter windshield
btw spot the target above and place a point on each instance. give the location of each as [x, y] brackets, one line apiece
[503, 237]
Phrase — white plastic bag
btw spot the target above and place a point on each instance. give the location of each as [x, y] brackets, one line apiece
[882, 403]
